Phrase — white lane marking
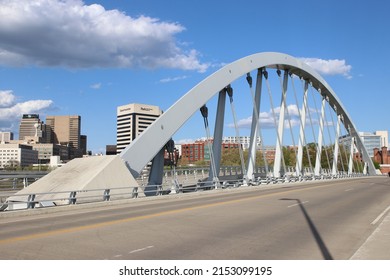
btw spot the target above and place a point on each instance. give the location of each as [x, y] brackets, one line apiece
[348, 190]
[117, 256]
[380, 216]
[296, 204]
[139, 250]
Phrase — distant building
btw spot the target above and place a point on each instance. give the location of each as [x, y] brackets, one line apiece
[243, 140]
[193, 151]
[32, 127]
[48, 150]
[384, 134]
[110, 149]
[382, 156]
[17, 155]
[370, 141]
[65, 130]
[6, 137]
[83, 144]
[132, 120]
[199, 150]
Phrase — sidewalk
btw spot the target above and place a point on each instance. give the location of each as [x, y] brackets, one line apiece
[377, 246]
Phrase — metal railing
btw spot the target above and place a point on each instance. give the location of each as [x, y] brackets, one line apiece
[180, 181]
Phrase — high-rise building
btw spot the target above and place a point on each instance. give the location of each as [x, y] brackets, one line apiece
[384, 134]
[17, 155]
[32, 126]
[6, 137]
[65, 130]
[132, 120]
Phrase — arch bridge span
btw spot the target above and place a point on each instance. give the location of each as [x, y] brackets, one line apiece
[150, 144]
[324, 141]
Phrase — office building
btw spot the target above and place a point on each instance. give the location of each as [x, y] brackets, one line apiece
[384, 134]
[6, 137]
[370, 141]
[243, 140]
[132, 120]
[12, 155]
[32, 127]
[110, 149]
[65, 130]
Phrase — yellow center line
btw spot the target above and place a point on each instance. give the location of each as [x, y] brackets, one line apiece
[145, 217]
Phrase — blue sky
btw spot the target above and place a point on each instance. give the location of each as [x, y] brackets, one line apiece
[88, 57]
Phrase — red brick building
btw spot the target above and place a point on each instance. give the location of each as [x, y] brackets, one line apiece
[383, 158]
[199, 150]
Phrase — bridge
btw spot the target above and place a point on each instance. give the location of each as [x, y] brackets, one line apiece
[313, 133]
[316, 198]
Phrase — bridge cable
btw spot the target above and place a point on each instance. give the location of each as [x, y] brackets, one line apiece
[289, 117]
[309, 111]
[204, 111]
[257, 115]
[329, 134]
[274, 118]
[322, 132]
[304, 142]
[345, 149]
[229, 91]
[340, 152]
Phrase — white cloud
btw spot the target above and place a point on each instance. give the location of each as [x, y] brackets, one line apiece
[6, 98]
[329, 67]
[72, 34]
[96, 86]
[267, 119]
[173, 79]
[11, 112]
[185, 141]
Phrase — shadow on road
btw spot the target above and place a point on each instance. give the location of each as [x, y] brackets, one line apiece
[324, 250]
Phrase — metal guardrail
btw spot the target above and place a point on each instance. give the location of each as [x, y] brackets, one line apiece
[35, 200]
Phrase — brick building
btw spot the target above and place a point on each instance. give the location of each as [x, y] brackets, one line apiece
[199, 150]
[382, 156]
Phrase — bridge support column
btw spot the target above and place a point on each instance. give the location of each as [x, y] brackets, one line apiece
[279, 140]
[254, 127]
[350, 162]
[317, 168]
[336, 146]
[299, 167]
[218, 133]
[156, 174]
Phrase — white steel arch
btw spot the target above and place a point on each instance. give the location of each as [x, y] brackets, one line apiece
[145, 147]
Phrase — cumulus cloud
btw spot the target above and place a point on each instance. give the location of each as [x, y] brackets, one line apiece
[72, 34]
[96, 86]
[173, 79]
[267, 120]
[12, 111]
[329, 67]
[6, 98]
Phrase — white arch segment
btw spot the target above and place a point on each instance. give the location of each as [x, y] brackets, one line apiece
[143, 149]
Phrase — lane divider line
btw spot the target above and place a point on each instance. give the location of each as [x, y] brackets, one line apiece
[380, 216]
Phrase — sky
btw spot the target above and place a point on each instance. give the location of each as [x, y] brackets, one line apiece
[73, 57]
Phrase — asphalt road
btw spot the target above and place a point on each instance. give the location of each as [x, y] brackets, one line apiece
[321, 220]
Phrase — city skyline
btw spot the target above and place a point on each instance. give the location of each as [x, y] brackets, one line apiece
[149, 53]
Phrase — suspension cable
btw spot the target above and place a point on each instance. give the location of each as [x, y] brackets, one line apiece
[288, 115]
[304, 142]
[311, 123]
[204, 112]
[257, 116]
[274, 117]
[322, 132]
[345, 149]
[229, 91]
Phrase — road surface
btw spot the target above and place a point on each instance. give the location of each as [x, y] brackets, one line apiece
[316, 220]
